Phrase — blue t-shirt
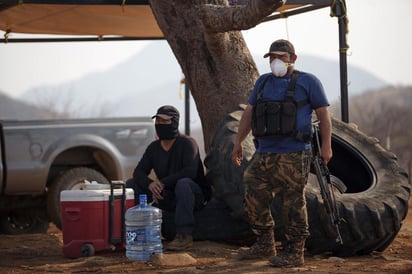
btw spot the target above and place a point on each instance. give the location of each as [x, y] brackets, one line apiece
[308, 87]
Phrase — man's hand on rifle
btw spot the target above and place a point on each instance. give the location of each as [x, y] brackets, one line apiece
[325, 130]
[326, 154]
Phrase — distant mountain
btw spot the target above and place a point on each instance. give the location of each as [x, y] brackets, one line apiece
[12, 109]
[152, 73]
[152, 77]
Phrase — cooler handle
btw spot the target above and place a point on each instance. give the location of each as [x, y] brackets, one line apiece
[111, 211]
[72, 213]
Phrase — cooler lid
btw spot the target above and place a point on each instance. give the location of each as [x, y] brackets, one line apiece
[92, 195]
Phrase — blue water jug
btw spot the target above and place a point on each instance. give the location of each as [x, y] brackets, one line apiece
[143, 236]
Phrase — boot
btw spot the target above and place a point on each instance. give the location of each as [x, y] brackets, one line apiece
[292, 255]
[180, 243]
[263, 247]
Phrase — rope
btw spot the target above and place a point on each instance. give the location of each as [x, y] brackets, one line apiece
[334, 8]
[6, 36]
[182, 82]
[123, 5]
[287, 28]
[283, 15]
[333, 5]
[344, 14]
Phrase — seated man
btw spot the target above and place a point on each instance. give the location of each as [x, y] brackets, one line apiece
[180, 183]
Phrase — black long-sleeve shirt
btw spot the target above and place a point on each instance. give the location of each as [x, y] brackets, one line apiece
[181, 161]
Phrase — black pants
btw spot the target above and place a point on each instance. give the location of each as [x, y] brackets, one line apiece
[184, 200]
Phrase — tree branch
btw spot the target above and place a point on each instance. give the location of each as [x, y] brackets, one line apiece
[223, 18]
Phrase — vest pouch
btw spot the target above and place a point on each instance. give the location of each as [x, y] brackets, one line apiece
[273, 117]
[288, 118]
[259, 120]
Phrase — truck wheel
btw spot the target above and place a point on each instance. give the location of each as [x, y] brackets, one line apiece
[372, 209]
[70, 179]
[25, 221]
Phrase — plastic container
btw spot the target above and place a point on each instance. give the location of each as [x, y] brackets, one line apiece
[143, 237]
[92, 220]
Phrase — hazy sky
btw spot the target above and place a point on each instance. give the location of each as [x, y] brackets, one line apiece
[380, 40]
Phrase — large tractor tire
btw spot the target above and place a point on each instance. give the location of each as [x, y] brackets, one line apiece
[372, 209]
[70, 179]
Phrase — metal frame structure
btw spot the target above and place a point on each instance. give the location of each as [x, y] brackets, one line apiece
[291, 8]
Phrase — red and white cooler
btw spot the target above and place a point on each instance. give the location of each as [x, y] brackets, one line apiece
[93, 220]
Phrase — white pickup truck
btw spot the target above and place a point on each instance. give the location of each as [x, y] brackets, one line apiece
[40, 158]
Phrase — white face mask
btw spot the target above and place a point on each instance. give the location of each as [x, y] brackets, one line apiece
[279, 68]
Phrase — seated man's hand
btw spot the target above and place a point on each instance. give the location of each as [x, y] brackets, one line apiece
[156, 187]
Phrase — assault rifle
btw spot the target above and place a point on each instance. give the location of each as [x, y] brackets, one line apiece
[326, 184]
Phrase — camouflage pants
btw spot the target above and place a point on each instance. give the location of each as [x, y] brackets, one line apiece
[270, 174]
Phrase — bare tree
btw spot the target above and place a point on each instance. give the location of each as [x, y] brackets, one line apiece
[386, 115]
[46, 99]
[63, 105]
[205, 37]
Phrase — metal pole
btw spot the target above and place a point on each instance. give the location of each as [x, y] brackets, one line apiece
[339, 10]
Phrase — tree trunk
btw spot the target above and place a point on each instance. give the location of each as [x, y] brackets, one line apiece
[212, 53]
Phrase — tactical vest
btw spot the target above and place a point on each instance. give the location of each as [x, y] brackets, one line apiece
[278, 118]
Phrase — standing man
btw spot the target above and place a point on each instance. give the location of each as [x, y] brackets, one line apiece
[180, 183]
[279, 113]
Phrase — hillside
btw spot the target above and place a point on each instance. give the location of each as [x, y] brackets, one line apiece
[385, 114]
[151, 78]
[13, 109]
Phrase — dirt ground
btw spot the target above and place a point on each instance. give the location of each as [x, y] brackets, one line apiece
[42, 253]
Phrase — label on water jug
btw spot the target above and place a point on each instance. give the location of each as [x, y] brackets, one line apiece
[143, 235]
[136, 236]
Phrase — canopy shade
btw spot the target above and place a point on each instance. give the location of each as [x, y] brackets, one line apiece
[100, 17]
[67, 19]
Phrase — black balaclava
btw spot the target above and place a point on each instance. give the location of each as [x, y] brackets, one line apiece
[167, 131]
